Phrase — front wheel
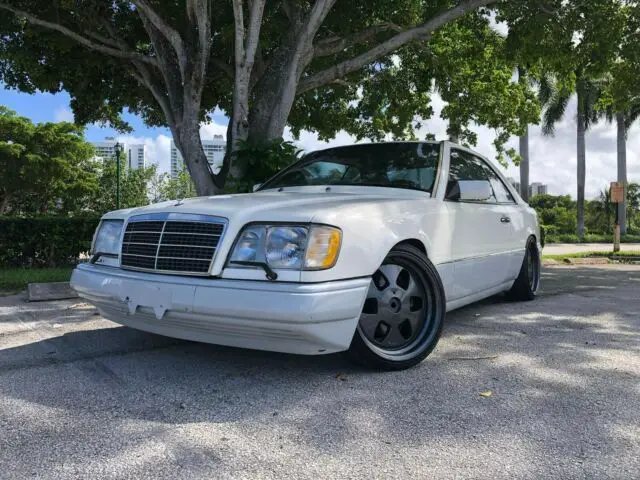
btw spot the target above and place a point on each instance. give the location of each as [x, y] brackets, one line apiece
[403, 314]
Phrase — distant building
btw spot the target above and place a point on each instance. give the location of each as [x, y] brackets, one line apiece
[537, 189]
[137, 156]
[213, 149]
[134, 155]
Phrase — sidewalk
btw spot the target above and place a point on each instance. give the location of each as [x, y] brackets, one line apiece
[566, 248]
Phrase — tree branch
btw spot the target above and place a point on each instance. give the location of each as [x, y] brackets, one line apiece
[423, 31]
[174, 38]
[333, 45]
[106, 49]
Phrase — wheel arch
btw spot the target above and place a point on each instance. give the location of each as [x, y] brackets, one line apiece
[414, 242]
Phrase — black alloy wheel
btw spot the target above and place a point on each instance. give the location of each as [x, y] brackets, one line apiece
[403, 313]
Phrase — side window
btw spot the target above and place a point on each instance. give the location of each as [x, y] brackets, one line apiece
[465, 167]
[500, 191]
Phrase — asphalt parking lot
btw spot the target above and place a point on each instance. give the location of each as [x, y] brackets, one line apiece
[81, 397]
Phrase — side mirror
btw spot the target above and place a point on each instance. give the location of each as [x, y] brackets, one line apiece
[256, 186]
[469, 190]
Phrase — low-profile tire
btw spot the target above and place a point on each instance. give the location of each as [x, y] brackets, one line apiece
[403, 314]
[526, 285]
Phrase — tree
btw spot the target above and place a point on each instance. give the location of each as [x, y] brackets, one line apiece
[556, 213]
[600, 213]
[621, 99]
[578, 44]
[264, 63]
[633, 202]
[44, 168]
[177, 188]
[133, 186]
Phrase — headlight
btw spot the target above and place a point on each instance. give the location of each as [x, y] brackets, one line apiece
[288, 246]
[107, 237]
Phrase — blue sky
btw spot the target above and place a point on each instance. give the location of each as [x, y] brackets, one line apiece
[46, 107]
[553, 160]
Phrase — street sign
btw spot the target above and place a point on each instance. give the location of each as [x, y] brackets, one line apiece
[617, 192]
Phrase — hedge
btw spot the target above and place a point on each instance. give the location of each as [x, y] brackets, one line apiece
[589, 238]
[44, 241]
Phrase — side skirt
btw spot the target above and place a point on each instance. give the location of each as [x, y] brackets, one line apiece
[476, 297]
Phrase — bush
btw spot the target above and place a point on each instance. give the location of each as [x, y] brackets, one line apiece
[44, 241]
[589, 238]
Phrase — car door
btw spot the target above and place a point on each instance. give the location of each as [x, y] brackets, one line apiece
[514, 216]
[481, 229]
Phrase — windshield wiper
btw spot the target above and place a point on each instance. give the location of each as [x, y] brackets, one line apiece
[271, 274]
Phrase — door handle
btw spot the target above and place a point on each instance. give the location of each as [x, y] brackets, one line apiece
[505, 220]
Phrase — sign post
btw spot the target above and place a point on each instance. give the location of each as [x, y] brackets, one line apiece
[617, 197]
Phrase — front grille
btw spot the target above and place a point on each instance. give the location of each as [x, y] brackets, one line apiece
[171, 242]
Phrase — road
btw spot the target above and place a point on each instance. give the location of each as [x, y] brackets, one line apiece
[83, 398]
[566, 248]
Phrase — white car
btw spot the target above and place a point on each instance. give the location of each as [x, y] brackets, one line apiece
[361, 248]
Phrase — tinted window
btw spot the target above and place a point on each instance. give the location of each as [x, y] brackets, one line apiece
[396, 165]
[464, 166]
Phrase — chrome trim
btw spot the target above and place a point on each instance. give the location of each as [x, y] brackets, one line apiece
[477, 257]
[174, 217]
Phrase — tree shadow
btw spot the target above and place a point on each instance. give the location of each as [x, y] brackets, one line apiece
[562, 372]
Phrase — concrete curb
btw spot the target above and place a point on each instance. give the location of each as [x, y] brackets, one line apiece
[38, 292]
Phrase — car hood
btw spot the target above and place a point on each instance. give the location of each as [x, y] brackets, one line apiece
[300, 204]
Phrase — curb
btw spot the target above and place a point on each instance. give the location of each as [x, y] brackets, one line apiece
[39, 292]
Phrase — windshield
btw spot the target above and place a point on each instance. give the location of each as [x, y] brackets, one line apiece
[395, 165]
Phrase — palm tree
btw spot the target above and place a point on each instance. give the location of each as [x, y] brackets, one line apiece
[624, 120]
[587, 91]
[545, 90]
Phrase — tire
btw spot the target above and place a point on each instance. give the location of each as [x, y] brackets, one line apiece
[526, 285]
[403, 314]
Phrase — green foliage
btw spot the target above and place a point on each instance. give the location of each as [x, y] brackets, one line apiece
[590, 238]
[177, 188]
[44, 168]
[466, 61]
[44, 241]
[558, 216]
[556, 213]
[263, 162]
[133, 186]
[12, 279]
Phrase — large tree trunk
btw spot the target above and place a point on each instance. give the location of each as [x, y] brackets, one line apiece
[622, 170]
[581, 173]
[187, 140]
[524, 165]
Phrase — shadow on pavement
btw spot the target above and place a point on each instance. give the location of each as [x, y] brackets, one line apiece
[563, 372]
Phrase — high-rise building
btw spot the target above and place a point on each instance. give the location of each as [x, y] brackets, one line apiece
[137, 156]
[537, 188]
[133, 156]
[213, 149]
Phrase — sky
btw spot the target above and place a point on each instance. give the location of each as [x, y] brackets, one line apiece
[552, 159]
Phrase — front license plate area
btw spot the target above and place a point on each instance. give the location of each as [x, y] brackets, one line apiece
[157, 298]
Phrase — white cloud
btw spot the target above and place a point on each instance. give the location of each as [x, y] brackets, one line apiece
[63, 114]
[158, 149]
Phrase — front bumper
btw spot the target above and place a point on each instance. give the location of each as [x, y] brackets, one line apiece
[308, 319]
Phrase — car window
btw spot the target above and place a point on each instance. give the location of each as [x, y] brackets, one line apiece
[499, 189]
[410, 165]
[464, 167]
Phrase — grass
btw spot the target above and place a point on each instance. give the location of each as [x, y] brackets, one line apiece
[13, 279]
[621, 255]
